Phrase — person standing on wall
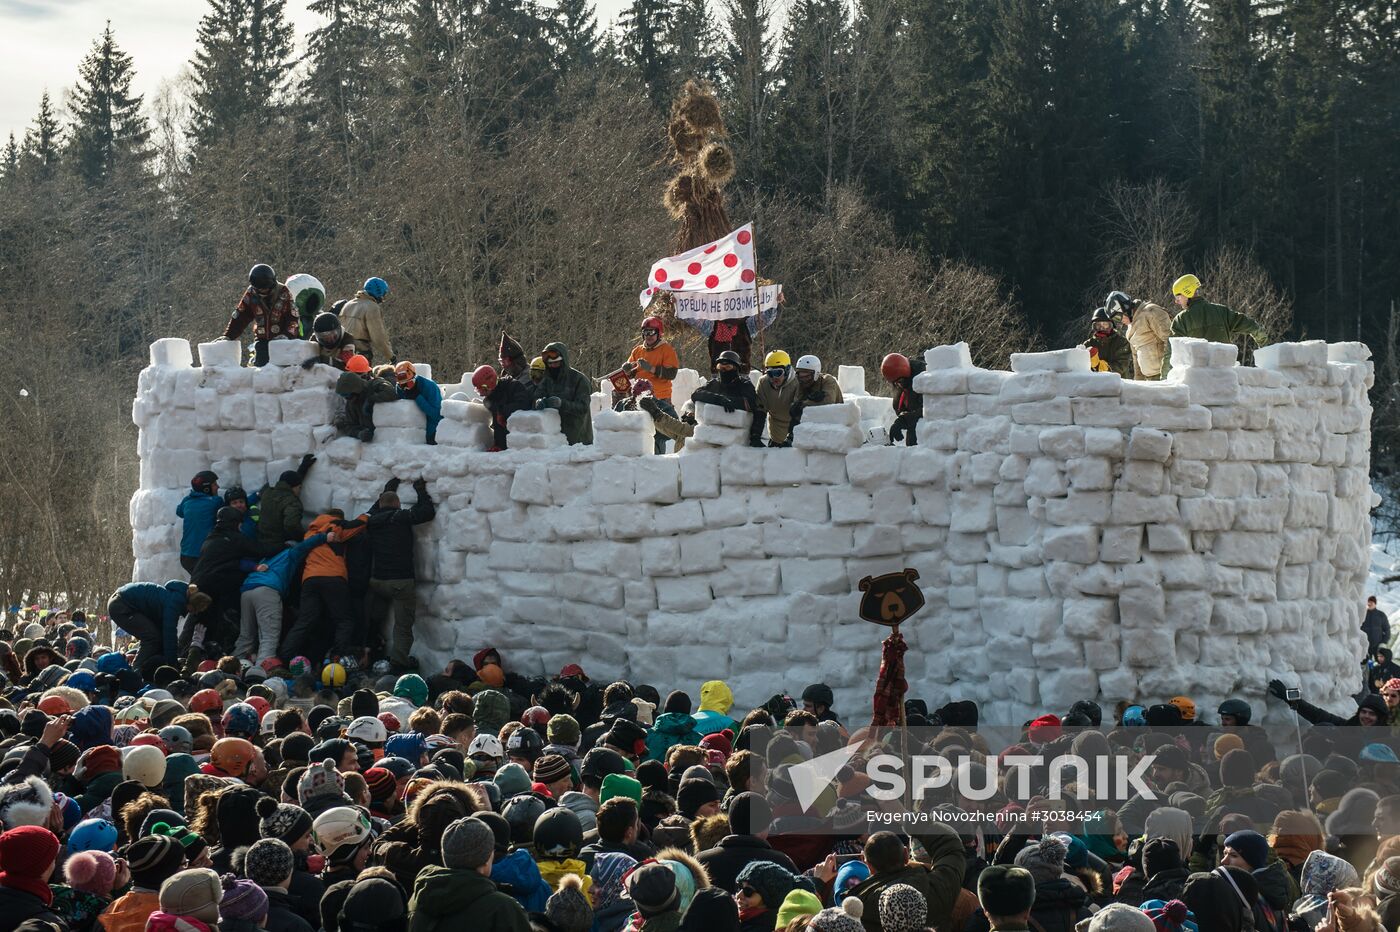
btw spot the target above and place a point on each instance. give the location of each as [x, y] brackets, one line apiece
[1114, 352]
[197, 510]
[1376, 627]
[656, 361]
[268, 306]
[363, 320]
[899, 370]
[392, 583]
[1149, 326]
[1204, 320]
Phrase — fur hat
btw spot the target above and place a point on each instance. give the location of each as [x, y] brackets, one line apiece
[26, 803]
[1005, 891]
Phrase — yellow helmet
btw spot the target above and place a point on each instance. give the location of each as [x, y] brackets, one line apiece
[537, 363]
[776, 359]
[1186, 286]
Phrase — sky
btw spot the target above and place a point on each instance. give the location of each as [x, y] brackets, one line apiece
[46, 39]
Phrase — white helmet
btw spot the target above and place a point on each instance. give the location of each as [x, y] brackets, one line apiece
[269, 722]
[810, 362]
[368, 729]
[486, 746]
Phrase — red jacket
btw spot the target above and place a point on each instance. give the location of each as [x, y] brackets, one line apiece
[273, 318]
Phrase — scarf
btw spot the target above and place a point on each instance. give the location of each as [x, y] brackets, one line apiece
[30, 885]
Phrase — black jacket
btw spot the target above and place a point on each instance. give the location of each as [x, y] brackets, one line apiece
[282, 912]
[732, 394]
[391, 536]
[725, 860]
[19, 906]
[508, 397]
[220, 555]
[305, 892]
[1164, 885]
[1376, 627]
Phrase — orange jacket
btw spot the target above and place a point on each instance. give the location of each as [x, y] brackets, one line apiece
[129, 913]
[328, 559]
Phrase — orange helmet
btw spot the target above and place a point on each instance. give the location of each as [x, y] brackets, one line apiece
[484, 380]
[232, 755]
[54, 705]
[358, 364]
[206, 701]
[894, 367]
[652, 323]
[404, 373]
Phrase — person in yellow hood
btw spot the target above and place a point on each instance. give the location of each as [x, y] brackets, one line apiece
[716, 700]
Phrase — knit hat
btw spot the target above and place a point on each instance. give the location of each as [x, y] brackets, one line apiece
[145, 765]
[381, 784]
[195, 892]
[1237, 769]
[1044, 859]
[843, 918]
[569, 908]
[902, 909]
[1251, 846]
[282, 821]
[512, 780]
[153, 859]
[467, 843]
[242, 899]
[618, 784]
[772, 882]
[26, 803]
[364, 702]
[268, 862]
[652, 889]
[562, 729]
[1226, 743]
[64, 754]
[1117, 917]
[412, 687]
[693, 794]
[1005, 891]
[550, 768]
[1171, 916]
[320, 780]
[91, 872]
[372, 904]
[798, 902]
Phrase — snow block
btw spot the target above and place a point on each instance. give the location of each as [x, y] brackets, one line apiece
[173, 351]
[289, 352]
[220, 353]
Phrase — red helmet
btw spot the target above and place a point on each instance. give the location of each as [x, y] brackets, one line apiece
[260, 705]
[153, 740]
[206, 700]
[894, 367]
[484, 380]
[653, 323]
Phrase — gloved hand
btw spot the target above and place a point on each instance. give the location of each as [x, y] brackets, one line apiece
[308, 363]
[540, 405]
[648, 404]
[729, 406]
[757, 442]
[392, 485]
[1277, 688]
[306, 462]
[420, 485]
[552, 402]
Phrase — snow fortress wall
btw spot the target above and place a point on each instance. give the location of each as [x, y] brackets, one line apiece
[1076, 535]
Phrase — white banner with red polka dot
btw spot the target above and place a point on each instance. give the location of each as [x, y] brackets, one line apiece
[727, 264]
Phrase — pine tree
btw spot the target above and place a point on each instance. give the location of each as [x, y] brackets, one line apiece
[348, 71]
[241, 65]
[41, 141]
[811, 121]
[9, 163]
[748, 78]
[645, 27]
[693, 42]
[574, 31]
[107, 121]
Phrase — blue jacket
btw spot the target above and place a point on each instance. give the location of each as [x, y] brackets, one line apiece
[249, 527]
[428, 397]
[528, 887]
[198, 510]
[159, 603]
[282, 568]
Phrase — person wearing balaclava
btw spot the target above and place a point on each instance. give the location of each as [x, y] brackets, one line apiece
[730, 390]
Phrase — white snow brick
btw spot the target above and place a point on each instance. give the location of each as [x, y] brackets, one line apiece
[1145, 443]
[634, 421]
[614, 481]
[452, 433]
[851, 379]
[1348, 352]
[1062, 443]
[531, 484]
[386, 437]
[403, 413]
[1134, 508]
[716, 416]
[1051, 411]
[1159, 394]
[699, 473]
[220, 353]
[955, 356]
[173, 351]
[1167, 538]
[818, 577]
[870, 467]
[525, 422]
[784, 466]
[1210, 386]
[311, 406]
[1075, 359]
[941, 382]
[717, 435]
[1022, 387]
[846, 413]
[623, 442]
[289, 352]
[1074, 544]
[1188, 352]
[291, 441]
[825, 438]
[466, 412]
[656, 479]
[1089, 384]
[1287, 355]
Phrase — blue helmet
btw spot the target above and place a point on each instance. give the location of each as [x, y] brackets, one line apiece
[83, 681]
[92, 835]
[111, 662]
[376, 288]
[409, 745]
[240, 721]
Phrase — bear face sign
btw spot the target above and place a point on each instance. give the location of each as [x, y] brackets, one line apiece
[890, 599]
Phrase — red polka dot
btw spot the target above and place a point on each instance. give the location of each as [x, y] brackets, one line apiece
[677, 283]
[693, 268]
[748, 275]
[661, 275]
[651, 291]
[744, 237]
[731, 260]
[711, 281]
[711, 248]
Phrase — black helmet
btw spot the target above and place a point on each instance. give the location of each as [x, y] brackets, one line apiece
[203, 480]
[262, 276]
[325, 322]
[234, 493]
[728, 356]
[228, 516]
[1238, 708]
[558, 834]
[526, 742]
[1118, 302]
[1101, 314]
[819, 694]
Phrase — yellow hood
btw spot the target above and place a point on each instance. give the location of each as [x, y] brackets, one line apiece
[716, 697]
